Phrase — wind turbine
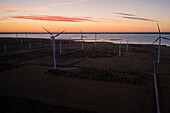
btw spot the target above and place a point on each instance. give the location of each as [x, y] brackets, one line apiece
[82, 47]
[17, 36]
[127, 46]
[53, 39]
[120, 45]
[25, 34]
[159, 38]
[69, 41]
[29, 45]
[95, 38]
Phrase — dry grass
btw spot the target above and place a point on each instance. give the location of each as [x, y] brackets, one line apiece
[22, 78]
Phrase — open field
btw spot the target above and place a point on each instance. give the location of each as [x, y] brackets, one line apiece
[101, 81]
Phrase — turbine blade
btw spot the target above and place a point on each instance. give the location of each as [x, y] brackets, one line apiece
[156, 40]
[59, 33]
[48, 31]
[159, 29]
[166, 38]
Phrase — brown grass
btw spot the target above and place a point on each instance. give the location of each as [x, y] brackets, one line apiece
[26, 77]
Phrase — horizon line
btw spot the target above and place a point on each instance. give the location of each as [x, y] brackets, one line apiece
[85, 32]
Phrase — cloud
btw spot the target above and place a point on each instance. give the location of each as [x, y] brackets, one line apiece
[6, 10]
[15, 12]
[11, 12]
[75, 2]
[125, 14]
[54, 18]
[138, 18]
[134, 17]
[5, 18]
[7, 7]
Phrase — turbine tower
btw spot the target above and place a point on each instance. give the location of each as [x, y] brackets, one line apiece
[29, 45]
[25, 34]
[95, 38]
[120, 46]
[127, 46]
[53, 39]
[159, 38]
[82, 47]
[17, 36]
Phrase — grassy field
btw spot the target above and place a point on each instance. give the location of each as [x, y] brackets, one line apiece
[101, 82]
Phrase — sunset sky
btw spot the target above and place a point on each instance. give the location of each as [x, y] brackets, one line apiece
[85, 15]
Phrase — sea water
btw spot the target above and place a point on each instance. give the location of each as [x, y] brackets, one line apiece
[131, 38]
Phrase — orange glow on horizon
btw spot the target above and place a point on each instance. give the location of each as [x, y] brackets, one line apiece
[36, 26]
[33, 29]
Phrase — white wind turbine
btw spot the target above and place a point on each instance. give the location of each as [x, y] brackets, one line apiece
[95, 38]
[82, 47]
[159, 38]
[127, 46]
[53, 39]
[25, 34]
[120, 46]
[29, 45]
[17, 36]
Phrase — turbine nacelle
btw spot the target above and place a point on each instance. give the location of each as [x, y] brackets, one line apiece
[52, 37]
[82, 36]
